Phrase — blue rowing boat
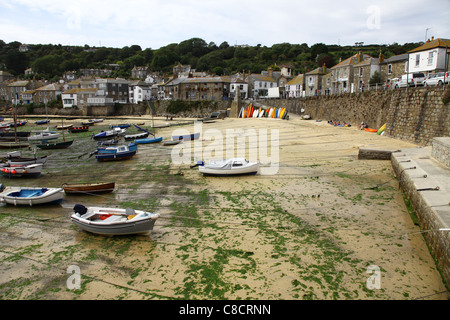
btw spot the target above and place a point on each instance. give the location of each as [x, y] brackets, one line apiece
[148, 140]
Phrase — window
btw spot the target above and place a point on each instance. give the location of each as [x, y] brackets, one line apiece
[389, 68]
[361, 72]
[417, 60]
[430, 58]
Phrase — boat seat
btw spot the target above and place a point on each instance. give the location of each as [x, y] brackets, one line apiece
[113, 218]
[33, 194]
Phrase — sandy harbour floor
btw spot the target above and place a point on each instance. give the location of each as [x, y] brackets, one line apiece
[313, 230]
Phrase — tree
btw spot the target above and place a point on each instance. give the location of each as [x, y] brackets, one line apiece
[16, 61]
[376, 78]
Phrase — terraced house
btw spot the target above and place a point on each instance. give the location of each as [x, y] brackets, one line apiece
[206, 88]
[342, 74]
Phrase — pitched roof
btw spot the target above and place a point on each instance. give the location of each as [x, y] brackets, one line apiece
[297, 80]
[436, 43]
[50, 87]
[261, 77]
[352, 60]
[18, 84]
[397, 58]
[319, 71]
[81, 90]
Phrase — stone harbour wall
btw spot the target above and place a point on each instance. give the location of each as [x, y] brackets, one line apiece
[413, 114]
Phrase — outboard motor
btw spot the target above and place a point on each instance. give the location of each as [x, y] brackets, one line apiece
[2, 187]
[80, 209]
[199, 163]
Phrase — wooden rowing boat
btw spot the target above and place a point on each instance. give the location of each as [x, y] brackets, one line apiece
[87, 188]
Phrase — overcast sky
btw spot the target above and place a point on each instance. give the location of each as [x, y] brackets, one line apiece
[157, 23]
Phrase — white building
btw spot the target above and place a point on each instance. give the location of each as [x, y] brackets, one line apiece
[294, 88]
[139, 91]
[77, 97]
[243, 88]
[431, 57]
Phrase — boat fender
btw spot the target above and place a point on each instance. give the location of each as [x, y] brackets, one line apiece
[80, 209]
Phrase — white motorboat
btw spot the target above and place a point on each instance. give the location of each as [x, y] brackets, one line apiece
[25, 196]
[44, 136]
[227, 167]
[113, 221]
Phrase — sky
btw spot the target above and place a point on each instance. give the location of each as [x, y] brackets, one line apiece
[157, 23]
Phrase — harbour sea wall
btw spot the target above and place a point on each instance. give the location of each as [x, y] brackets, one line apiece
[424, 175]
[416, 115]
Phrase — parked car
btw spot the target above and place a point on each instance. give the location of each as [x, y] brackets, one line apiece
[437, 79]
[412, 80]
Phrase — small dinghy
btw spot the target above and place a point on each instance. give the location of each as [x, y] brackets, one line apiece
[142, 135]
[41, 122]
[88, 188]
[26, 196]
[187, 137]
[95, 120]
[21, 161]
[228, 167]
[79, 129]
[171, 142]
[28, 171]
[113, 221]
[148, 140]
[116, 152]
[111, 142]
[110, 133]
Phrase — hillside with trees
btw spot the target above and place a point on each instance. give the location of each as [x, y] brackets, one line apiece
[51, 61]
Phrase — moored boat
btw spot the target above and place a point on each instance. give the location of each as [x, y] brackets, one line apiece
[41, 122]
[79, 129]
[228, 167]
[26, 196]
[27, 171]
[87, 188]
[64, 127]
[110, 133]
[114, 153]
[113, 221]
[44, 136]
[187, 137]
[13, 145]
[148, 140]
[171, 142]
[142, 135]
[23, 161]
[55, 145]
[95, 120]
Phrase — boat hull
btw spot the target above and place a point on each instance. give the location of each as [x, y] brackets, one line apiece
[13, 145]
[120, 224]
[19, 161]
[187, 137]
[25, 196]
[30, 171]
[56, 145]
[86, 188]
[228, 169]
[115, 156]
[136, 136]
[79, 129]
[147, 141]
